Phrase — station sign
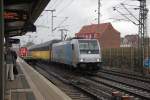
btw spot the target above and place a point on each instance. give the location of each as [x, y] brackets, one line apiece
[15, 15]
[29, 28]
[147, 63]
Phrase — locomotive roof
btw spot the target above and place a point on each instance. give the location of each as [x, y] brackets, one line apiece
[69, 41]
[46, 44]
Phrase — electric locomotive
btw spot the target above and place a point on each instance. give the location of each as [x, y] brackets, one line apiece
[79, 53]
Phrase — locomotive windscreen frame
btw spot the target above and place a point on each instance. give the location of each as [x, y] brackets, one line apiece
[88, 46]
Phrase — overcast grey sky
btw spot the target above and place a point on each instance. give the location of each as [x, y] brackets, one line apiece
[80, 13]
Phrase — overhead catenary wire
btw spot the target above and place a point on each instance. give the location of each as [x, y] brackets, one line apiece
[120, 2]
[123, 5]
[129, 11]
[60, 11]
[63, 21]
[131, 5]
[57, 4]
[54, 3]
[119, 6]
[124, 2]
[124, 15]
[66, 6]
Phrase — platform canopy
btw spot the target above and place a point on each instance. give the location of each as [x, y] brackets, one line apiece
[21, 14]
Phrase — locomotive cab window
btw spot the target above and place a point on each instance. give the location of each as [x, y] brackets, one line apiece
[88, 47]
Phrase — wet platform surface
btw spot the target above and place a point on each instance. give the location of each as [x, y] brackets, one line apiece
[30, 85]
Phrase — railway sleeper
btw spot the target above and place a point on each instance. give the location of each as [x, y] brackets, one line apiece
[114, 95]
[118, 96]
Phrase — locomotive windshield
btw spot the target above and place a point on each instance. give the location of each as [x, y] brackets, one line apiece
[88, 47]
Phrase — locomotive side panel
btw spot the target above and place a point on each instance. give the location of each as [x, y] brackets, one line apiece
[68, 54]
[62, 53]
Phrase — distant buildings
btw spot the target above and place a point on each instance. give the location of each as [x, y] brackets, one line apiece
[105, 33]
[133, 40]
[130, 41]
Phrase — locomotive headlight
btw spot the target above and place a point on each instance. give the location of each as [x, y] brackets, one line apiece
[98, 60]
[81, 60]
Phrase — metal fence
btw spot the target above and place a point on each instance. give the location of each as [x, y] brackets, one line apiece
[124, 57]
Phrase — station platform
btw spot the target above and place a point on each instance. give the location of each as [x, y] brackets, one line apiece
[31, 85]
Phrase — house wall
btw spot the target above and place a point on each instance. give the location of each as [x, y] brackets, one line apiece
[110, 38]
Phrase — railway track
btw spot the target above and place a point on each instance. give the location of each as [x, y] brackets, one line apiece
[101, 86]
[126, 81]
[124, 88]
[94, 90]
[127, 75]
[64, 85]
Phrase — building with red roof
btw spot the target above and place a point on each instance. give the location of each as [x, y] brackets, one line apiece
[105, 33]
